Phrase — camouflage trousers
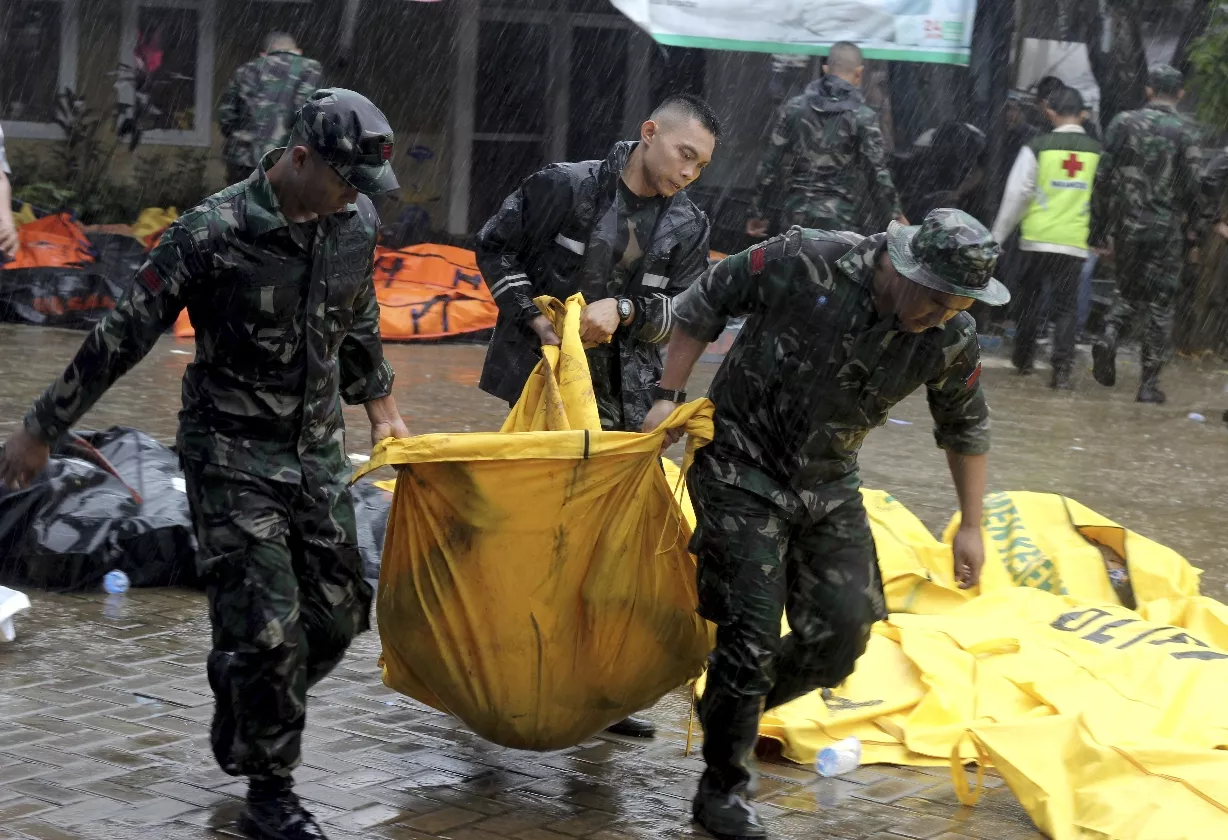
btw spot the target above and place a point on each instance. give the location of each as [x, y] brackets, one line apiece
[825, 214]
[755, 563]
[1147, 278]
[283, 575]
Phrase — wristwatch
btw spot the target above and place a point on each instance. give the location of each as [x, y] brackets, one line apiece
[659, 393]
[625, 309]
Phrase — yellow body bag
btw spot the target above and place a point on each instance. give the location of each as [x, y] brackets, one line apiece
[536, 582]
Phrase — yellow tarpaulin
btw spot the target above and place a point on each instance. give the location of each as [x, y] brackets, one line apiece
[153, 220]
[536, 582]
[1105, 721]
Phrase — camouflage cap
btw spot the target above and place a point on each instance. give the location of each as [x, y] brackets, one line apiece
[1165, 79]
[949, 252]
[352, 135]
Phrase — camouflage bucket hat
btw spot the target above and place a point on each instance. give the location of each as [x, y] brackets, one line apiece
[354, 136]
[949, 252]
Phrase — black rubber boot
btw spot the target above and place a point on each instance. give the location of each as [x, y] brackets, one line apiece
[1061, 380]
[1149, 388]
[273, 812]
[1104, 359]
[634, 727]
[726, 816]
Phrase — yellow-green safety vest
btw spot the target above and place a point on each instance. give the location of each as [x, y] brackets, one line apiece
[1065, 171]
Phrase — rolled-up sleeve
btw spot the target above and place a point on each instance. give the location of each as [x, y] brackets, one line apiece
[957, 401]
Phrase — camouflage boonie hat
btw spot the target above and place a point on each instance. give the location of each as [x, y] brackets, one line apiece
[354, 136]
[949, 252]
[1165, 79]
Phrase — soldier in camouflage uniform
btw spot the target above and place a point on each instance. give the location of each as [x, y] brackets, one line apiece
[275, 273]
[826, 148]
[839, 328]
[259, 104]
[1145, 194]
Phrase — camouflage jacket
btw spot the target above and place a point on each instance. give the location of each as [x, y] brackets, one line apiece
[815, 367]
[281, 331]
[826, 147]
[256, 110]
[555, 236]
[1147, 184]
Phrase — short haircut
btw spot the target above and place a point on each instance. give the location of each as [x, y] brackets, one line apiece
[297, 137]
[1066, 102]
[275, 41]
[1165, 81]
[692, 107]
[1048, 86]
[843, 57]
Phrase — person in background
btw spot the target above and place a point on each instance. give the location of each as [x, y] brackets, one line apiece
[1045, 88]
[1049, 191]
[624, 233]
[8, 228]
[950, 169]
[826, 147]
[1144, 197]
[257, 108]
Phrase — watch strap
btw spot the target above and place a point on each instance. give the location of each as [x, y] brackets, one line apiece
[659, 393]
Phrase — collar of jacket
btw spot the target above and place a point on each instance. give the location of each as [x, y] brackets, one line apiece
[831, 93]
[858, 263]
[1161, 106]
[615, 162]
[262, 210]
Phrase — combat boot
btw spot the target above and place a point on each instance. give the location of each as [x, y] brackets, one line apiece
[634, 727]
[1104, 360]
[1149, 388]
[273, 812]
[1060, 380]
[726, 815]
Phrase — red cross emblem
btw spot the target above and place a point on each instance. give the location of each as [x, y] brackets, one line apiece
[1072, 165]
[385, 152]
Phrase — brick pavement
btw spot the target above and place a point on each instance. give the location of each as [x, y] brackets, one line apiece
[104, 713]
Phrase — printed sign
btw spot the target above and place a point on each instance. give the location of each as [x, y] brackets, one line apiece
[938, 31]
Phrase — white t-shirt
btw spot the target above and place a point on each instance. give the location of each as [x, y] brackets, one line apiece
[4, 163]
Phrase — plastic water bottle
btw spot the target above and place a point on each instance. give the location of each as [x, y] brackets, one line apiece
[115, 582]
[840, 758]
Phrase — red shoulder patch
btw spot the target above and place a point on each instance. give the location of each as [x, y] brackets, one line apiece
[151, 279]
[758, 258]
[973, 377]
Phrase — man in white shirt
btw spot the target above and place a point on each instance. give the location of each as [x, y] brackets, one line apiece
[1048, 194]
[8, 229]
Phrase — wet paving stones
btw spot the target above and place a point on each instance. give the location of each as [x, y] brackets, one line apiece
[375, 764]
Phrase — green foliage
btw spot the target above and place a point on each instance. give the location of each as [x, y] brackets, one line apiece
[174, 179]
[75, 175]
[1209, 79]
